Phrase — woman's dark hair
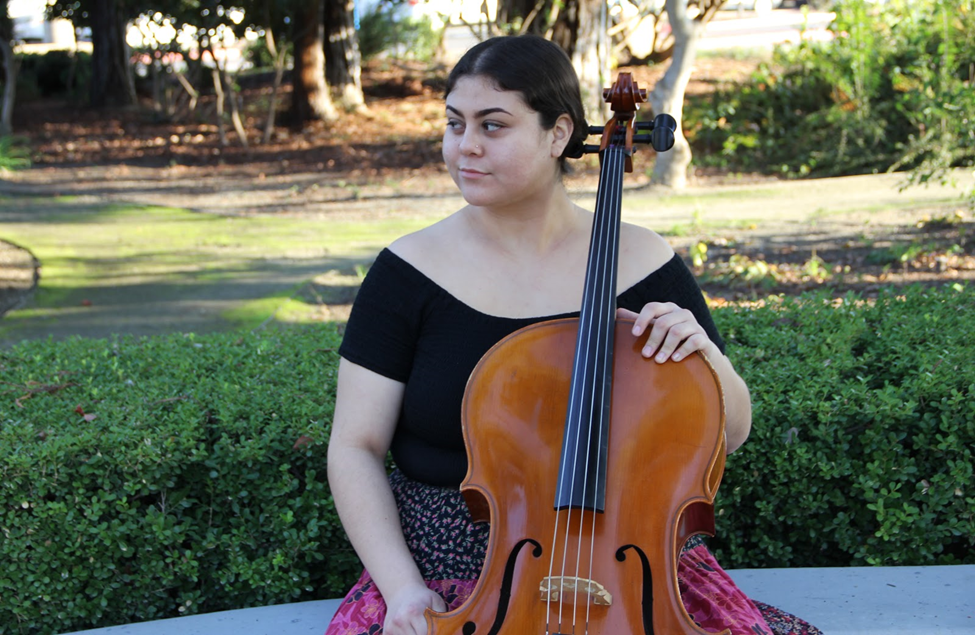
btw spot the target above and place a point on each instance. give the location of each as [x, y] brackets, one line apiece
[540, 71]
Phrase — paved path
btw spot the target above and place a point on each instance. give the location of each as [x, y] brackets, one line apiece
[749, 30]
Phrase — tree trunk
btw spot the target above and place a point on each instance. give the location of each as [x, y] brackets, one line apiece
[670, 169]
[219, 104]
[659, 46]
[580, 29]
[9, 89]
[519, 11]
[10, 68]
[343, 62]
[191, 92]
[310, 96]
[279, 56]
[111, 82]
[236, 103]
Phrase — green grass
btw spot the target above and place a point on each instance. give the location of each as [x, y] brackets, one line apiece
[756, 53]
[724, 194]
[98, 257]
[280, 307]
[946, 202]
[698, 226]
[98, 253]
[106, 246]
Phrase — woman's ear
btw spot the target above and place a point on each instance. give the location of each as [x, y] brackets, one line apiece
[561, 135]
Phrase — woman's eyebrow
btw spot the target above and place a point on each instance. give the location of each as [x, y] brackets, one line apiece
[480, 113]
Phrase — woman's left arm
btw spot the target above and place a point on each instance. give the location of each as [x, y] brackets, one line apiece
[674, 333]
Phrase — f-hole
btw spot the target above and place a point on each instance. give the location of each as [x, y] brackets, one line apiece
[504, 597]
[647, 602]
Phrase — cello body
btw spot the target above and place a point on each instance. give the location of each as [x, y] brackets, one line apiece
[666, 454]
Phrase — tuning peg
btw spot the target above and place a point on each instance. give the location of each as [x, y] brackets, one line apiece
[662, 135]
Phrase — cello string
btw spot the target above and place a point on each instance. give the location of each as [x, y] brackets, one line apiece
[599, 293]
[600, 298]
[587, 330]
[574, 415]
[579, 366]
[605, 275]
[612, 263]
[601, 351]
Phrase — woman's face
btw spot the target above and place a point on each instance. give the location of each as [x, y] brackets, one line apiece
[495, 147]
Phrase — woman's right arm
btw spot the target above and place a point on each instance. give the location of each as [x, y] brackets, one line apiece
[366, 411]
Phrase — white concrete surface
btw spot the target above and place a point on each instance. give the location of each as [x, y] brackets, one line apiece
[840, 601]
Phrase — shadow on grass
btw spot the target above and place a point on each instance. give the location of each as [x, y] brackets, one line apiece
[218, 299]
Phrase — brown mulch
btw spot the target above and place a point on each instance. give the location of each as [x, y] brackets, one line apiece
[933, 251]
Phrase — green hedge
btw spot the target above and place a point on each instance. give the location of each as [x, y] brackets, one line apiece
[150, 478]
[861, 451]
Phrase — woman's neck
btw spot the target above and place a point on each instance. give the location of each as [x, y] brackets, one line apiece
[529, 231]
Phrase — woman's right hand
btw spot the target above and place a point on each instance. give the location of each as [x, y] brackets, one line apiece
[405, 609]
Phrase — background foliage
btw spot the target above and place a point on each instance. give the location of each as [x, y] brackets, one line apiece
[385, 31]
[149, 478]
[54, 74]
[895, 89]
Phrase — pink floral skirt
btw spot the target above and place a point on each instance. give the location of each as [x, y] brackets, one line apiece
[449, 549]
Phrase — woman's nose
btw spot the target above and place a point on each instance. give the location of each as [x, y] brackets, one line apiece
[470, 144]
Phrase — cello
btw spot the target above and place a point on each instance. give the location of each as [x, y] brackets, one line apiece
[592, 464]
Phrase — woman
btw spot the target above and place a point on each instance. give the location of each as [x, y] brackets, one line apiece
[435, 301]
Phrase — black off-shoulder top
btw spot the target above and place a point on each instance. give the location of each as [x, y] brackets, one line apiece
[406, 327]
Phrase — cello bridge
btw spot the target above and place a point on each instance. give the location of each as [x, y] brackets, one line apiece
[568, 588]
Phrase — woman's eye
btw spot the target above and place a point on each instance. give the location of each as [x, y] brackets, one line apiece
[454, 124]
[492, 126]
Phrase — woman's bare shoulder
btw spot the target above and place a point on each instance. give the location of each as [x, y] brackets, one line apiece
[427, 248]
[643, 250]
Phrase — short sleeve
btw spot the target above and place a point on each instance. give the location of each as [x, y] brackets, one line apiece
[675, 283]
[384, 324]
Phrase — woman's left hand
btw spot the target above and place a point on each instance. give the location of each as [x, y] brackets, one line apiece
[674, 332]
